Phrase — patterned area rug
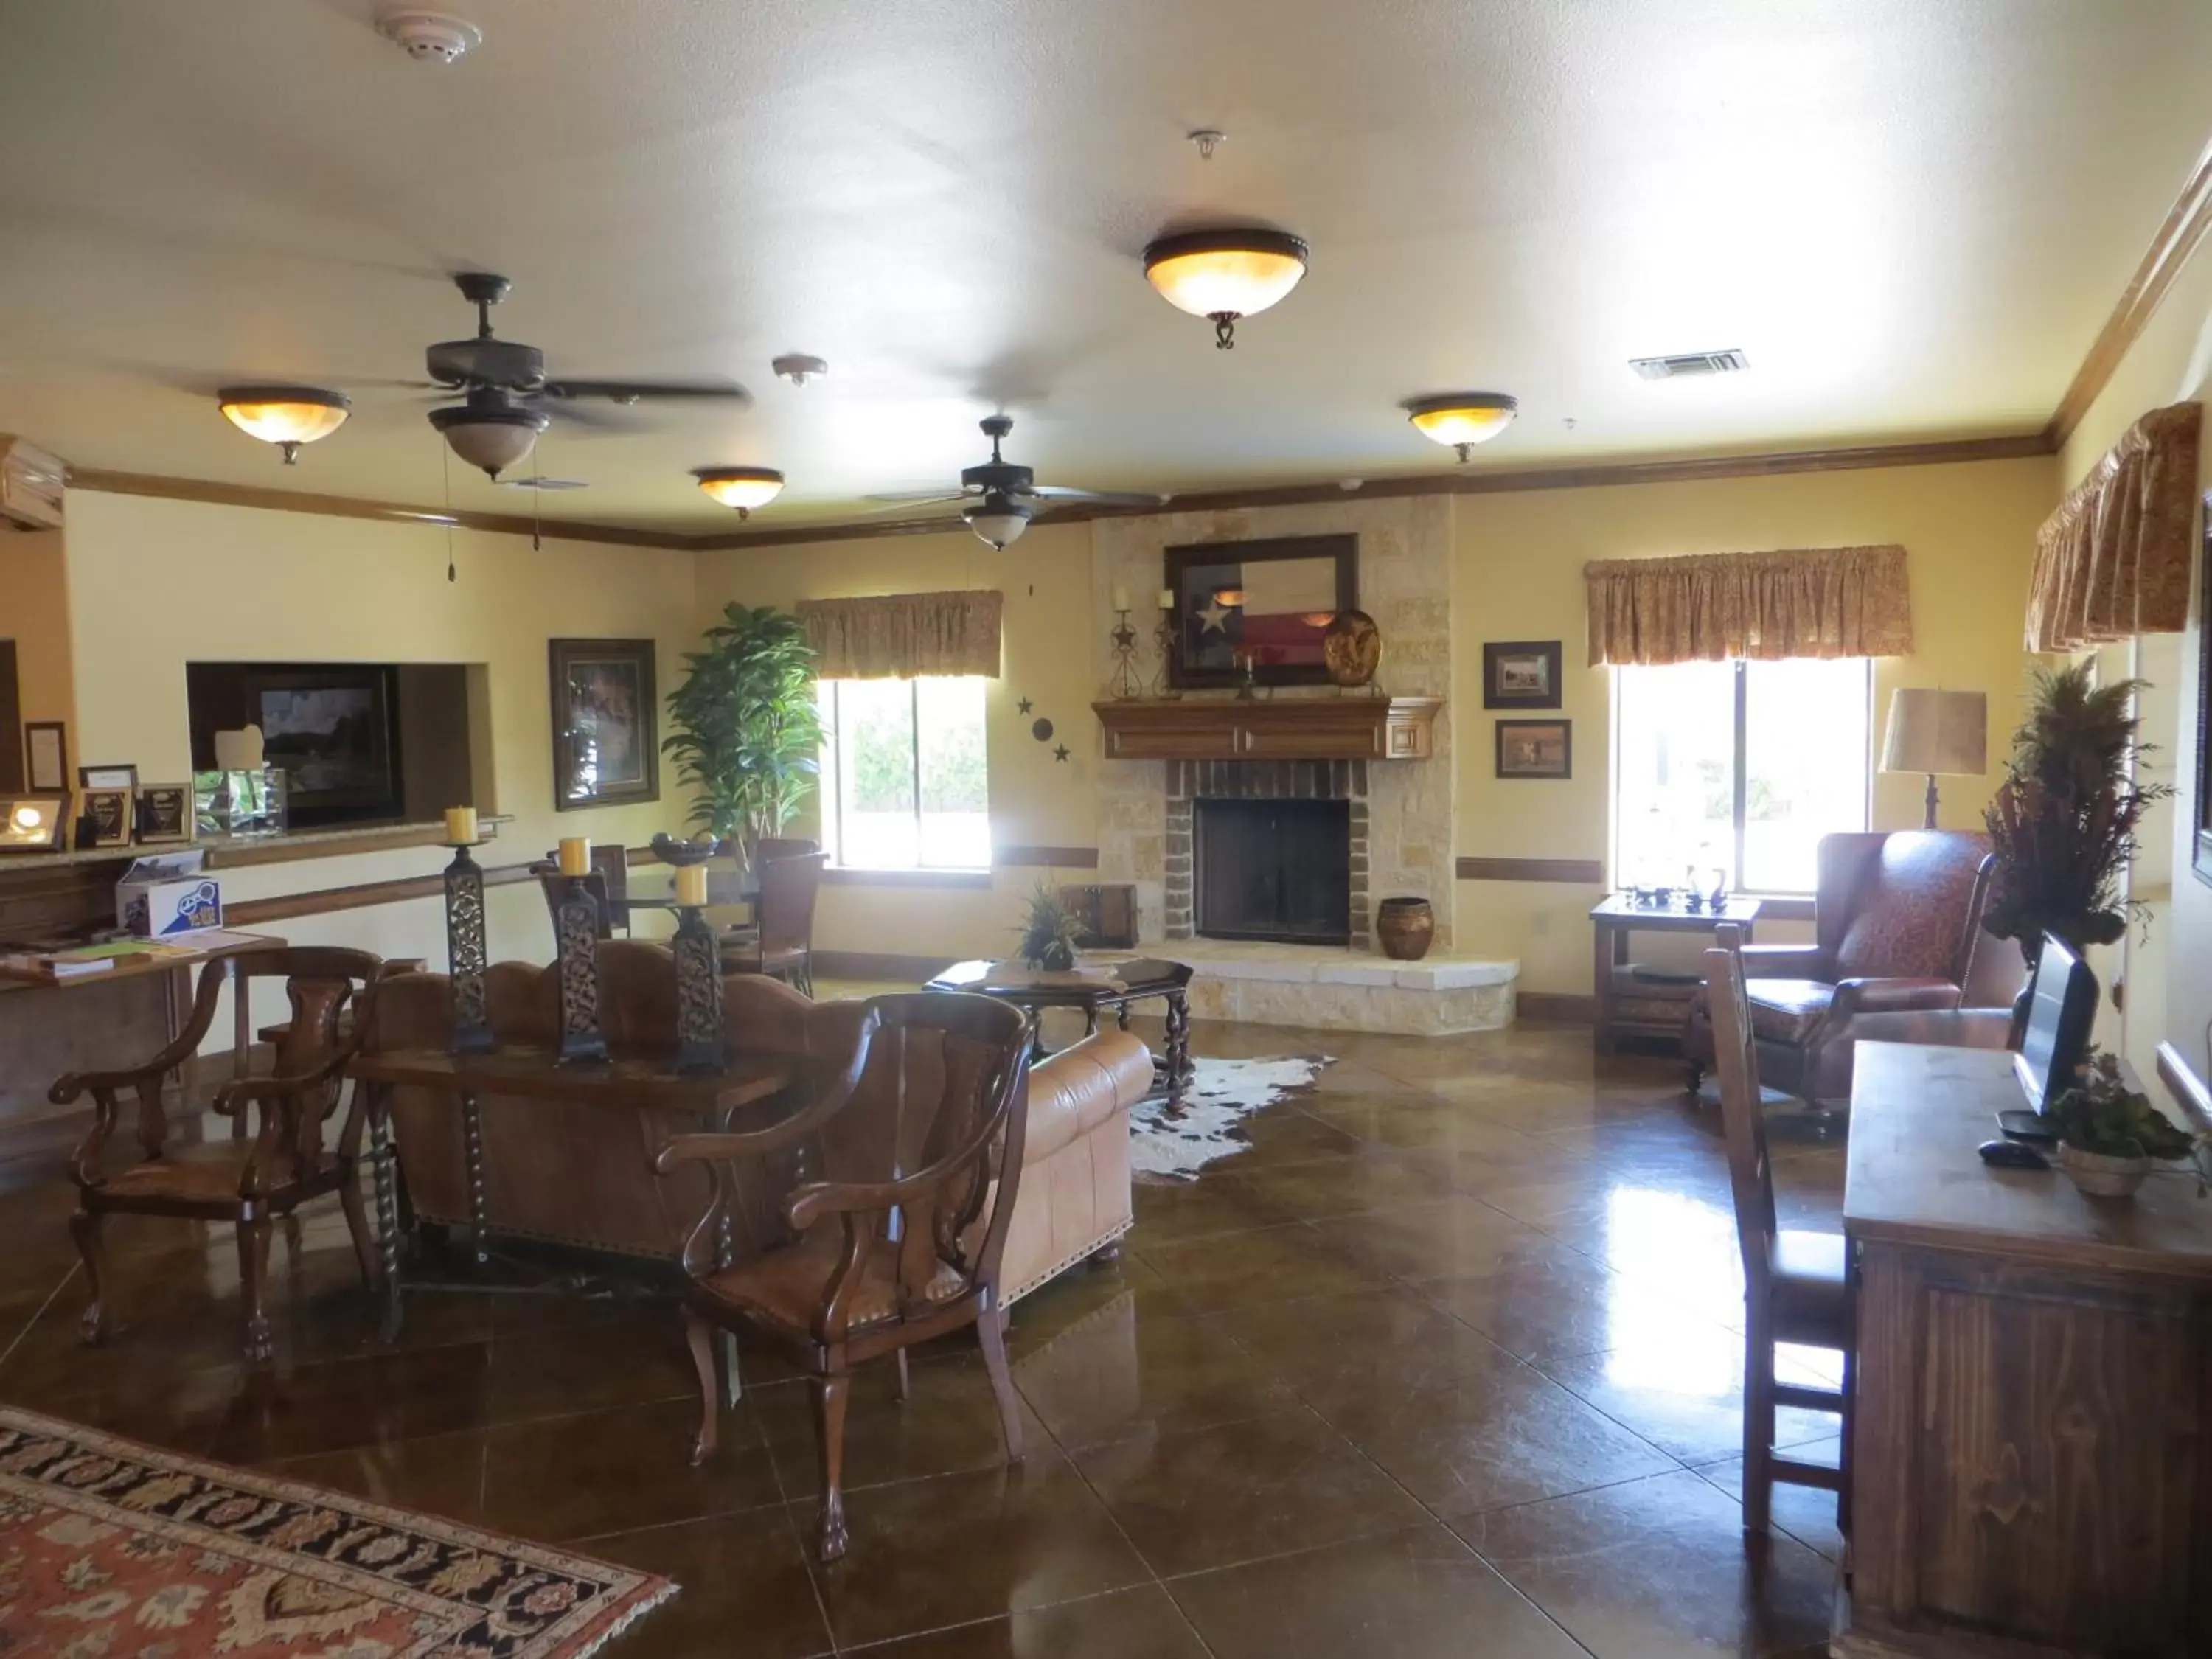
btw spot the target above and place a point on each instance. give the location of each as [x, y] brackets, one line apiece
[109, 1549]
[1176, 1144]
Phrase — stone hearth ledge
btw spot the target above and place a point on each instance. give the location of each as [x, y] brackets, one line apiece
[1334, 989]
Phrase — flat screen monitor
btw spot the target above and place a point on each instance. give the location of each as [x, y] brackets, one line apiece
[2062, 1004]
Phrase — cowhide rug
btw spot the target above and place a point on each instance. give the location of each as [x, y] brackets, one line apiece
[1174, 1143]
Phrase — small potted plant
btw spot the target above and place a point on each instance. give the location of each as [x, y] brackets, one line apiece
[2109, 1134]
[1049, 931]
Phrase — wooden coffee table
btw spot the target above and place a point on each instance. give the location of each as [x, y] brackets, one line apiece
[1095, 990]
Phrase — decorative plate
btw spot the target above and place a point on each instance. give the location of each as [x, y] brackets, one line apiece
[1352, 648]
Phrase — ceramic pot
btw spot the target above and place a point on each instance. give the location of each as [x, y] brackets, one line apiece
[2099, 1174]
[1404, 928]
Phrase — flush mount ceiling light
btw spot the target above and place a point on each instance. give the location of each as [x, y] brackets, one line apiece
[744, 488]
[1224, 274]
[1462, 419]
[286, 415]
[490, 431]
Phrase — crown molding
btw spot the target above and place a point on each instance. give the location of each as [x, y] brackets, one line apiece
[2177, 239]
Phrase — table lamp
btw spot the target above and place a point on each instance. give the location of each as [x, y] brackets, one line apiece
[1943, 732]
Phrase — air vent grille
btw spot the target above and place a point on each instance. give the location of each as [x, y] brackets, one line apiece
[1690, 362]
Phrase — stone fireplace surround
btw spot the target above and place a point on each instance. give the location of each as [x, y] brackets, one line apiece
[1191, 781]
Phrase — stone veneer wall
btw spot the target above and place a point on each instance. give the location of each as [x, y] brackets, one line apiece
[1405, 583]
[1192, 780]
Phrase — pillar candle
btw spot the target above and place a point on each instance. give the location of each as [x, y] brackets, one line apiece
[690, 883]
[575, 856]
[460, 825]
[1121, 597]
[1167, 599]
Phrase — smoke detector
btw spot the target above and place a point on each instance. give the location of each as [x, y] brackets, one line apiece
[798, 368]
[1690, 364]
[427, 37]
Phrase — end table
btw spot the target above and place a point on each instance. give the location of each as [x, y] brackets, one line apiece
[1627, 1007]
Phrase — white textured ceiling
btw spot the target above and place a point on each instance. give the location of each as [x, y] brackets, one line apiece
[1912, 217]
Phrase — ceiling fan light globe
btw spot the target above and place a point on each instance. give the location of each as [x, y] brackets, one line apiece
[998, 520]
[1231, 273]
[1461, 420]
[286, 415]
[490, 439]
[744, 488]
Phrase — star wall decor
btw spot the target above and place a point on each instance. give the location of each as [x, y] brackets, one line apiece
[1060, 751]
[1215, 617]
[1024, 706]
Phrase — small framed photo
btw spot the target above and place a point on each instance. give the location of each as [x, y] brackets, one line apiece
[109, 814]
[1535, 749]
[33, 823]
[1521, 674]
[164, 813]
[107, 777]
[46, 757]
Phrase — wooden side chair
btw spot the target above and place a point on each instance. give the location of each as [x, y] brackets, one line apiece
[251, 1182]
[782, 944]
[920, 1140]
[1796, 1285]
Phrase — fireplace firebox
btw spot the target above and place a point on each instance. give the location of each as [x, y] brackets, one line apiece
[1273, 869]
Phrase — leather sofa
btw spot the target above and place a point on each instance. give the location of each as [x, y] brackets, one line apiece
[1896, 927]
[580, 1175]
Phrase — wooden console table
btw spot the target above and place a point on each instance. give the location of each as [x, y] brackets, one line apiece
[625, 1082]
[2031, 1461]
[1624, 1007]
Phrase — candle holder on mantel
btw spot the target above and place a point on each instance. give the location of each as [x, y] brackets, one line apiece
[1125, 685]
[465, 950]
[1166, 631]
[576, 936]
[699, 1013]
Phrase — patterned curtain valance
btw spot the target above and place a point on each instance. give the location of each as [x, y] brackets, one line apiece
[905, 636]
[1822, 602]
[2113, 560]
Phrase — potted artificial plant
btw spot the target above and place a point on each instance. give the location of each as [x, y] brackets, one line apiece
[1049, 930]
[2109, 1134]
[748, 731]
[2062, 823]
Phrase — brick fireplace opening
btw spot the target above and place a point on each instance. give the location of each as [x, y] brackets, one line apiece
[1275, 869]
[1251, 863]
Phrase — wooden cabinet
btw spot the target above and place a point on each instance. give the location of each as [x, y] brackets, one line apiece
[1288, 728]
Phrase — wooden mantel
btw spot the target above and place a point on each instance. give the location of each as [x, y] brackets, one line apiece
[1287, 728]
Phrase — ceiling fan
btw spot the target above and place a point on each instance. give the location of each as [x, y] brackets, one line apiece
[505, 390]
[1000, 496]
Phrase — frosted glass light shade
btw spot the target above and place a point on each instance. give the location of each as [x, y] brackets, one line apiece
[491, 439]
[286, 415]
[744, 488]
[1461, 420]
[1225, 274]
[998, 518]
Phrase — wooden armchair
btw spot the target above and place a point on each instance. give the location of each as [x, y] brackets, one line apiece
[921, 1141]
[254, 1182]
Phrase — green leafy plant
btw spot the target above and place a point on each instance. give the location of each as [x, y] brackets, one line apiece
[748, 732]
[2063, 822]
[2098, 1113]
[1049, 930]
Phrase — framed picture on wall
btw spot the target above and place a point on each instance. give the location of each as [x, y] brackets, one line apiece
[606, 728]
[46, 757]
[1270, 600]
[1521, 674]
[107, 777]
[2200, 846]
[1535, 749]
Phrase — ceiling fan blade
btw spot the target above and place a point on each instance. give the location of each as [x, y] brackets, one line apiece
[914, 498]
[630, 392]
[1096, 497]
[586, 418]
[542, 484]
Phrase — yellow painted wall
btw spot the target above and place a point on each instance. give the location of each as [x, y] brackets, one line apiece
[1968, 532]
[35, 609]
[157, 583]
[1035, 800]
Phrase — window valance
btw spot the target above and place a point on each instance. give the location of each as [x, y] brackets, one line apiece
[2113, 560]
[905, 635]
[1710, 607]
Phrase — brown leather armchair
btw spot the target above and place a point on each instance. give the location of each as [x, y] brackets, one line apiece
[1897, 925]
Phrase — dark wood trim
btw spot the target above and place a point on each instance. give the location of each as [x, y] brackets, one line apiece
[244, 854]
[282, 907]
[2185, 225]
[1562, 1007]
[1588, 872]
[838, 877]
[878, 966]
[2005, 447]
[110, 483]
[1045, 857]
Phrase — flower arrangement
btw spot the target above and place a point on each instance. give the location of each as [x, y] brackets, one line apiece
[2108, 1134]
[1049, 930]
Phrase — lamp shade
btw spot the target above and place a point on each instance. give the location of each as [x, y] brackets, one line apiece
[999, 518]
[491, 436]
[1462, 419]
[744, 488]
[1937, 732]
[286, 415]
[1224, 274]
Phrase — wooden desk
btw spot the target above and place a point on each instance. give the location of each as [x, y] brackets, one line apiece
[2032, 1451]
[627, 1083]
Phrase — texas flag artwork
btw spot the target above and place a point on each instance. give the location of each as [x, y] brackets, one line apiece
[1275, 609]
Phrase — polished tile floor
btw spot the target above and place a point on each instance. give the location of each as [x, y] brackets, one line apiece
[1447, 1364]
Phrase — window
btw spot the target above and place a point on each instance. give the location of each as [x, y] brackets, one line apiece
[902, 778]
[1737, 766]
